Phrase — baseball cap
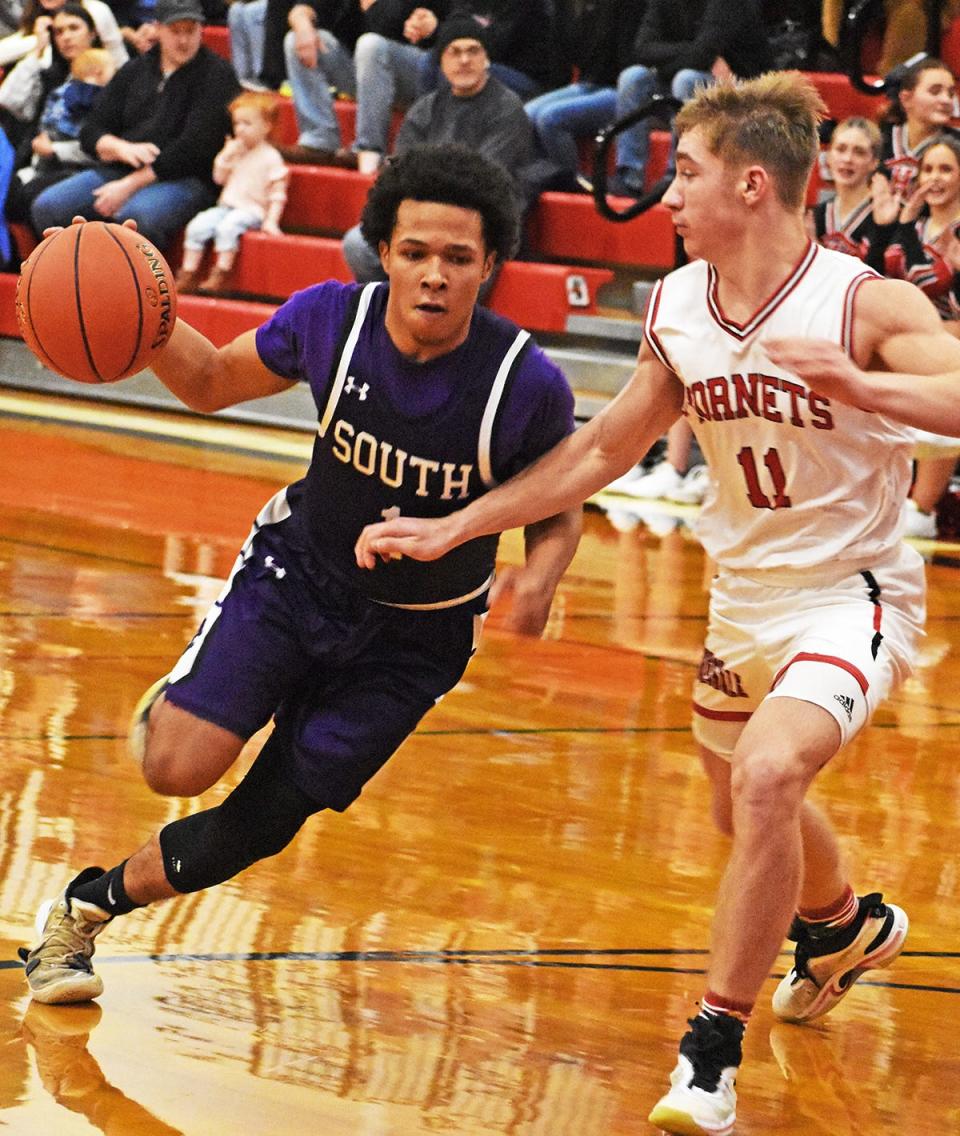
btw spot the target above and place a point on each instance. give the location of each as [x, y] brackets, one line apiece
[170, 11]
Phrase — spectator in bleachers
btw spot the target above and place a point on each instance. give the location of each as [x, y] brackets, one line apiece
[682, 44]
[919, 114]
[246, 21]
[319, 63]
[391, 58]
[848, 220]
[904, 27]
[154, 133]
[50, 102]
[391, 67]
[602, 46]
[473, 108]
[26, 86]
[34, 31]
[254, 181]
[925, 249]
[521, 41]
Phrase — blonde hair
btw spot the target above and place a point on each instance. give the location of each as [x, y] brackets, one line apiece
[95, 60]
[266, 104]
[865, 126]
[771, 120]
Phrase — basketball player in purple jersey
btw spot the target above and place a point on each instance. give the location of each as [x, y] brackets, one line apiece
[424, 402]
[817, 604]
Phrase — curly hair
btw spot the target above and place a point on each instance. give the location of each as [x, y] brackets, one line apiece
[449, 174]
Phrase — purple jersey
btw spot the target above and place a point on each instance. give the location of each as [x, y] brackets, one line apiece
[401, 437]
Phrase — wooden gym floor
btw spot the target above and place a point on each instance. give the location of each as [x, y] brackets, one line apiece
[505, 936]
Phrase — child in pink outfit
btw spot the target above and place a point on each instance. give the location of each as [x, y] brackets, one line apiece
[254, 180]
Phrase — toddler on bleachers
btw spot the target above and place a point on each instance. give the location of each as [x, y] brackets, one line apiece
[57, 140]
[254, 180]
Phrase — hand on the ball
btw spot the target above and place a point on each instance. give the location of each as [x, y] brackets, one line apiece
[78, 220]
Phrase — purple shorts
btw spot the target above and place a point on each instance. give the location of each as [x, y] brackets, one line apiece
[346, 679]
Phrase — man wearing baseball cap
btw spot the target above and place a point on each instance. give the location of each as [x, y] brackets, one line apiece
[153, 133]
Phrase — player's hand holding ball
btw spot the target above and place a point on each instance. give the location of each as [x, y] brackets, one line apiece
[96, 301]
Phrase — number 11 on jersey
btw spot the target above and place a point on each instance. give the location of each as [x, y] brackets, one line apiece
[778, 479]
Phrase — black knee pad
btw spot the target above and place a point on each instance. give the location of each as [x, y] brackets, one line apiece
[259, 819]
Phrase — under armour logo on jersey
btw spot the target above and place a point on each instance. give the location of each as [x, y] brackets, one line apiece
[274, 567]
[353, 388]
[847, 703]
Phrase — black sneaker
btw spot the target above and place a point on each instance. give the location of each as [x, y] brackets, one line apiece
[702, 1100]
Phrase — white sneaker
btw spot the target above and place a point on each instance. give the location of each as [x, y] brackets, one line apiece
[918, 524]
[702, 1100]
[821, 976]
[58, 967]
[656, 484]
[693, 488]
[622, 520]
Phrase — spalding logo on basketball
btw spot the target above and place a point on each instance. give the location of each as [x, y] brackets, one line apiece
[96, 302]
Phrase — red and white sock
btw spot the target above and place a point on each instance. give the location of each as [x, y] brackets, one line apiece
[714, 1005]
[839, 914]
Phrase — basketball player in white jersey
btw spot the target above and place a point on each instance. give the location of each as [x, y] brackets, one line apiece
[817, 604]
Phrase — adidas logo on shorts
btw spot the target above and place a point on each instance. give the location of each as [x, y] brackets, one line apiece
[847, 703]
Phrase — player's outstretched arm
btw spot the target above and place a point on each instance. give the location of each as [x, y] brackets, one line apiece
[205, 377]
[208, 378]
[561, 480]
[895, 328]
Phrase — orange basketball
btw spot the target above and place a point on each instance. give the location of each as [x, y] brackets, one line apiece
[96, 302]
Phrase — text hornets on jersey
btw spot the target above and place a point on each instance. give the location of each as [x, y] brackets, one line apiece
[729, 397]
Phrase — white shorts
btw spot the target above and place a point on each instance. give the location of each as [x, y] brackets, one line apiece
[842, 646]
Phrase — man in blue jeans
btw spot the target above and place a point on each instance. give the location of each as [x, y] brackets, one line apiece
[154, 131]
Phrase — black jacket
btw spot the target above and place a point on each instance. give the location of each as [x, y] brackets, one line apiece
[679, 34]
[186, 116]
[603, 39]
[387, 17]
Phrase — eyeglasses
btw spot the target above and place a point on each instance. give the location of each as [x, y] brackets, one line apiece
[469, 51]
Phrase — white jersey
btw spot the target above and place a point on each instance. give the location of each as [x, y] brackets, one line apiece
[798, 484]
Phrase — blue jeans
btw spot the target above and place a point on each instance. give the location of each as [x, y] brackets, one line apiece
[317, 122]
[362, 259]
[388, 75]
[221, 224]
[246, 23]
[635, 86]
[161, 210]
[563, 116]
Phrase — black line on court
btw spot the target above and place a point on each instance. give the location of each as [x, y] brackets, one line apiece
[491, 731]
[541, 959]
